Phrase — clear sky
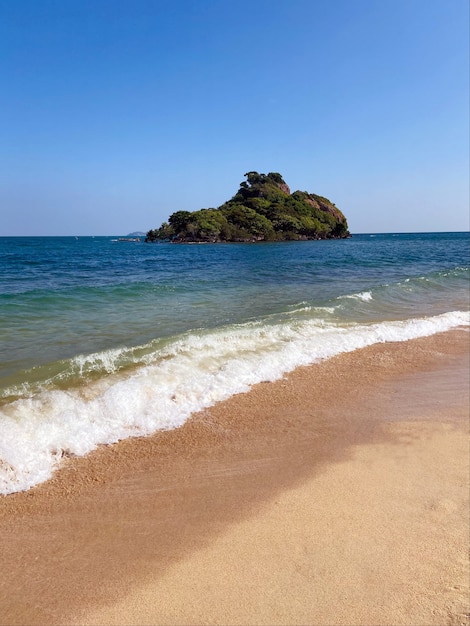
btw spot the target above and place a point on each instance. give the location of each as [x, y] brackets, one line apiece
[116, 113]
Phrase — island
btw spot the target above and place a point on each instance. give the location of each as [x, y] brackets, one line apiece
[263, 209]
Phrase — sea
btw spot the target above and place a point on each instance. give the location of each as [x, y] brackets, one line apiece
[102, 340]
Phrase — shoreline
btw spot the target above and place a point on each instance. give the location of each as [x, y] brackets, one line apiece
[142, 519]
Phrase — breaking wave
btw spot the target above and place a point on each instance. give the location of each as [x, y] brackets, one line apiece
[129, 392]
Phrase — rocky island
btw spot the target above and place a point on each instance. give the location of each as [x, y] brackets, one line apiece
[263, 209]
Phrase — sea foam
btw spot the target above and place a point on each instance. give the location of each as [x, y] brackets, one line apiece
[174, 381]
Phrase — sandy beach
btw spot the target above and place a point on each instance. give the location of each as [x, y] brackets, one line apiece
[335, 496]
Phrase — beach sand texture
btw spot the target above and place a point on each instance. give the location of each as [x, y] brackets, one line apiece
[335, 496]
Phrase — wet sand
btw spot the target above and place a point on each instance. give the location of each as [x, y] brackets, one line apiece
[336, 496]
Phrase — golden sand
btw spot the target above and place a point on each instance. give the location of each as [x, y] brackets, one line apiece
[336, 496]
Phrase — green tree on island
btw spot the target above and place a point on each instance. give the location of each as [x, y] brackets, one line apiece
[263, 209]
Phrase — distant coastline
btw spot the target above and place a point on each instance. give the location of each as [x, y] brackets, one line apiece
[143, 235]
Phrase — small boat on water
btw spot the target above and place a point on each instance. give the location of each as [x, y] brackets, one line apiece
[129, 239]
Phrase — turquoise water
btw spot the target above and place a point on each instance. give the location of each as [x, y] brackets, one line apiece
[101, 339]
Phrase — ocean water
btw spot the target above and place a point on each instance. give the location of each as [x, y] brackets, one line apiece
[102, 340]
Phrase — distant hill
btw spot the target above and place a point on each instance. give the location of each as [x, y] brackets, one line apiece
[138, 233]
[263, 209]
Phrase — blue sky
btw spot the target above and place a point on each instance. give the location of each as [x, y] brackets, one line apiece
[114, 114]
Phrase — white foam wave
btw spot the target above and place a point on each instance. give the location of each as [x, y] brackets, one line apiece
[183, 377]
[365, 296]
